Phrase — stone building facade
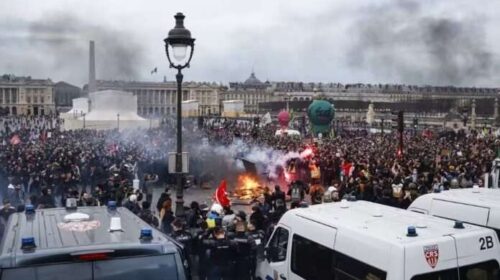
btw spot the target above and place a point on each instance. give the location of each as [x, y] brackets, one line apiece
[413, 98]
[252, 92]
[26, 96]
[156, 99]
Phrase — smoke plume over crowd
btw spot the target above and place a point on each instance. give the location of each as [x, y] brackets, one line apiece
[57, 44]
[404, 39]
[65, 37]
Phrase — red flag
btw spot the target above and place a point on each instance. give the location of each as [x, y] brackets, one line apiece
[221, 195]
[347, 168]
[15, 140]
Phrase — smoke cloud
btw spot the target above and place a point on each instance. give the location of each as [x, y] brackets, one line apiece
[402, 39]
[60, 42]
[212, 161]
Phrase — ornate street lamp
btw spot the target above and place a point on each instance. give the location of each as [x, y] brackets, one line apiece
[182, 46]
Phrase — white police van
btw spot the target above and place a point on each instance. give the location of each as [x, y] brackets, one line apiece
[364, 240]
[478, 206]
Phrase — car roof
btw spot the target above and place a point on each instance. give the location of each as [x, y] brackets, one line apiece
[473, 196]
[53, 235]
[378, 222]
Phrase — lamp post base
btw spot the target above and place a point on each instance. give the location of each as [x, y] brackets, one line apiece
[179, 201]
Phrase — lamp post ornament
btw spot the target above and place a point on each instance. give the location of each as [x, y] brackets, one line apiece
[179, 40]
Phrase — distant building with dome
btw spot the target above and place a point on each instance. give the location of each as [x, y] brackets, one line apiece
[252, 91]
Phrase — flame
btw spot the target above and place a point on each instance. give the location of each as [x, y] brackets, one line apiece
[248, 187]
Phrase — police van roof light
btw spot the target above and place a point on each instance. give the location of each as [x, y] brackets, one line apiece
[475, 189]
[29, 209]
[112, 205]
[28, 243]
[459, 225]
[146, 234]
[344, 203]
[412, 231]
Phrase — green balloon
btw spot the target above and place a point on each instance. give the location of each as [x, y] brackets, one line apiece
[321, 114]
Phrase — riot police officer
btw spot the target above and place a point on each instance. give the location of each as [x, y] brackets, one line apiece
[221, 255]
[244, 248]
[185, 238]
[257, 252]
[200, 250]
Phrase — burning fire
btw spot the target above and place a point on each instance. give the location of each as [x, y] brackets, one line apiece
[248, 187]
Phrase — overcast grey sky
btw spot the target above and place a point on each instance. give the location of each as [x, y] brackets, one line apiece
[371, 41]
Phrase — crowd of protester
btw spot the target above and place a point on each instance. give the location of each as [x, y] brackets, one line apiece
[43, 165]
[373, 167]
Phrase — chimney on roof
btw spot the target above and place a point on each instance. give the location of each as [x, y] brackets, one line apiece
[92, 83]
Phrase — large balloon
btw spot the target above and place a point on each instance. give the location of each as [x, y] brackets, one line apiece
[321, 113]
[284, 118]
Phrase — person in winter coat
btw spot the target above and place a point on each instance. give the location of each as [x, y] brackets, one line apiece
[166, 217]
[132, 205]
[146, 215]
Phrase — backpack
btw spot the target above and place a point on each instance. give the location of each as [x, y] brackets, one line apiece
[149, 218]
[295, 194]
[327, 197]
[317, 197]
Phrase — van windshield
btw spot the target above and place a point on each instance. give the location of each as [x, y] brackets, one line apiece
[481, 271]
[159, 267]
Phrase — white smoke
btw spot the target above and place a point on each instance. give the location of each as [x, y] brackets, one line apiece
[267, 159]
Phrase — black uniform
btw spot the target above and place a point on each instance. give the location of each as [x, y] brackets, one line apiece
[186, 239]
[200, 249]
[245, 245]
[258, 238]
[222, 253]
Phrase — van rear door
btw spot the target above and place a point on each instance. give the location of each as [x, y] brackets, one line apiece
[424, 259]
[477, 247]
[473, 214]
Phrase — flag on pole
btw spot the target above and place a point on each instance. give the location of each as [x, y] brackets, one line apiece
[266, 119]
[221, 195]
[347, 169]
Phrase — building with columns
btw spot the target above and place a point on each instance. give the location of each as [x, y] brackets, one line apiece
[251, 92]
[156, 99]
[26, 96]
